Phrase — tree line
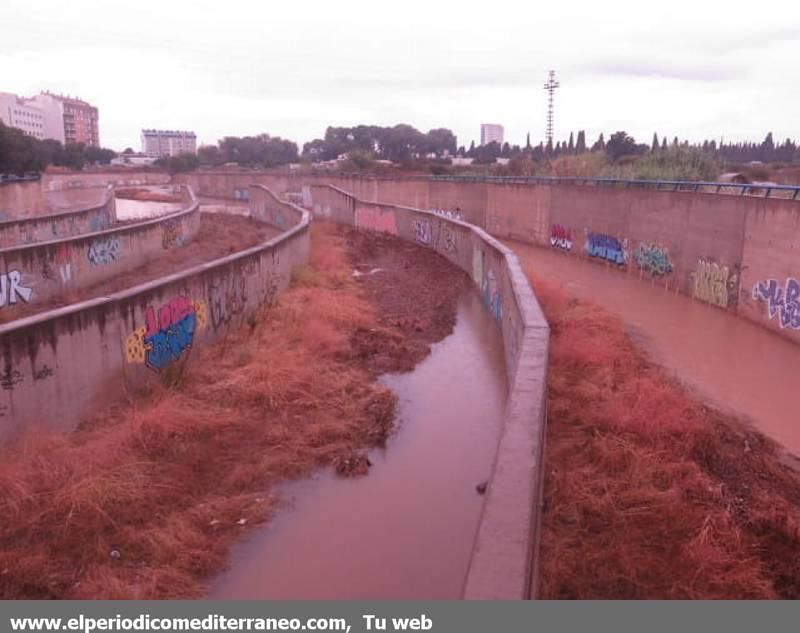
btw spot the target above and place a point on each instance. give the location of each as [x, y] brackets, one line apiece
[20, 153]
[622, 144]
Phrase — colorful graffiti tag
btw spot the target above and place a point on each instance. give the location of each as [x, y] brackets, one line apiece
[104, 251]
[715, 284]
[168, 333]
[12, 290]
[376, 220]
[561, 238]
[782, 302]
[422, 232]
[491, 296]
[226, 299]
[172, 234]
[607, 247]
[653, 259]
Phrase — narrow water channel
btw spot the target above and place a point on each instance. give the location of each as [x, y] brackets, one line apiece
[406, 530]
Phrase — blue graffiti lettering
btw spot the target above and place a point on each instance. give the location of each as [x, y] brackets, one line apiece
[168, 344]
[605, 247]
[781, 302]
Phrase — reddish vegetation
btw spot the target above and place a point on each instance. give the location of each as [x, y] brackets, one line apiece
[649, 493]
[219, 235]
[144, 501]
[145, 195]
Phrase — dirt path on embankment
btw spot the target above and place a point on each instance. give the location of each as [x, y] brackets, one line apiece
[649, 493]
[219, 235]
[144, 500]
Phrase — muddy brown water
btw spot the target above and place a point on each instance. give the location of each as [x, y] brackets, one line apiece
[734, 364]
[406, 530]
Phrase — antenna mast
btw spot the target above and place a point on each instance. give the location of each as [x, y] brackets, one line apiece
[550, 85]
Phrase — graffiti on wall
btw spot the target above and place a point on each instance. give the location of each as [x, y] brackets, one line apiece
[12, 290]
[782, 302]
[477, 266]
[653, 259]
[104, 250]
[422, 232]
[168, 332]
[446, 238]
[10, 378]
[491, 296]
[561, 238]
[715, 284]
[607, 247]
[172, 234]
[226, 299]
[59, 267]
[376, 220]
[450, 215]
[100, 221]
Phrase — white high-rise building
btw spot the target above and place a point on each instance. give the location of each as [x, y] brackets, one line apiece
[18, 113]
[491, 132]
[158, 143]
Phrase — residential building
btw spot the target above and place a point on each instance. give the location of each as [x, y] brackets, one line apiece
[158, 143]
[491, 132]
[48, 115]
[16, 112]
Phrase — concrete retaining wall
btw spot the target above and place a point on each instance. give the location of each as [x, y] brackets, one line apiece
[56, 365]
[500, 567]
[737, 253]
[38, 272]
[95, 217]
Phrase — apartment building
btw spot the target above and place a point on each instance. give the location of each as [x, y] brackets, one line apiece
[48, 115]
[16, 112]
[491, 132]
[158, 143]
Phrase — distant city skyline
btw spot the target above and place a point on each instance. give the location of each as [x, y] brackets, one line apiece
[242, 69]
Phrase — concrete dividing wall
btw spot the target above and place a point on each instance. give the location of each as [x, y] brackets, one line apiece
[38, 272]
[95, 217]
[89, 180]
[501, 564]
[57, 364]
[21, 200]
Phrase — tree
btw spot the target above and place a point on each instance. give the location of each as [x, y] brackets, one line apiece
[580, 144]
[128, 150]
[528, 141]
[654, 147]
[600, 144]
[571, 145]
[620, 144]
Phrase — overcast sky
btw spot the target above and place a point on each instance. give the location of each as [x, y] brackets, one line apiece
[236, 68]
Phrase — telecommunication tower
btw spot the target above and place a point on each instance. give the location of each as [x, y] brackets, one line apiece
[550, 85]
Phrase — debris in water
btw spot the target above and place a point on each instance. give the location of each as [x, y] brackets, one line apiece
[357, 273]
[353, 466]
[241, 521]
[481, 487]
[115, 554]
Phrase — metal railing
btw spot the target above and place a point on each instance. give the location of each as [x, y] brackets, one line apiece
[762, 190]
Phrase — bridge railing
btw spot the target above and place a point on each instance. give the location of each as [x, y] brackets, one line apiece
[764, 190]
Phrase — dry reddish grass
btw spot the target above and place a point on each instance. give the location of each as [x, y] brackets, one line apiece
[144, 502]
[145, 195]
[649, 493]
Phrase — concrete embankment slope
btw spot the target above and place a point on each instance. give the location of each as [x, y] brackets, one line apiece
[55, 365]
[504, 555]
